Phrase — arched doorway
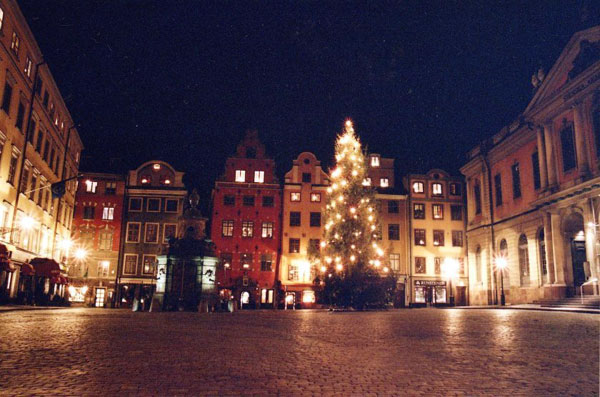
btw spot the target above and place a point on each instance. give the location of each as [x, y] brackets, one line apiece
[542, 255]
[575, 237]
[523, 261]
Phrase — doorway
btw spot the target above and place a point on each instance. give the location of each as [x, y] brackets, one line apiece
[100, 295]
[578, 256]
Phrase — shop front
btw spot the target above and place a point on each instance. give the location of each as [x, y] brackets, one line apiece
[50, 284]
[430, 293]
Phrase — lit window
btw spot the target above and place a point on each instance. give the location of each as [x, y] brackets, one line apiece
[367, 182]
[169, 231]
[315, 197]
[438, 211]
[294, 196]
[436, 189]
[240, 176]
[1, 18]
[149, 264]
[247, 229]
[384, 182]
[417, 187]
[438, 238]
[108, 213]
[27, 69]
[259, 176]
[395, 261]
[90, 186]
[15, 43]
[267, 230]
[374, 161]
[227, 228]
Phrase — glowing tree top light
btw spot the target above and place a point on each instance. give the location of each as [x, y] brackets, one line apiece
[350, 217]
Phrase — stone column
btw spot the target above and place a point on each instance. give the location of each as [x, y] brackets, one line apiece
[550, 157]
[583, 165]
[542, 159]
[558, 250]
[548, 247]
[590, 230]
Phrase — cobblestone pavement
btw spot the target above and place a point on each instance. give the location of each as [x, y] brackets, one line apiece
[406, 352]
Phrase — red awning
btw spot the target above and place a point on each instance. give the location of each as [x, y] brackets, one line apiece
[27, 270]
[6, 265]
[45, 267]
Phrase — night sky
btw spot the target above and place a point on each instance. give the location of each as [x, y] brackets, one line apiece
[182, 80]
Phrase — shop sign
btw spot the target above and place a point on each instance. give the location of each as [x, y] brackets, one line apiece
[437, 283]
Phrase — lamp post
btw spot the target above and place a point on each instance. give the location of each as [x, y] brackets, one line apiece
[501, 264]
[450, 269]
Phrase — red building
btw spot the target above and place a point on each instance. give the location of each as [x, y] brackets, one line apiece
[246, 225]
[96, 235]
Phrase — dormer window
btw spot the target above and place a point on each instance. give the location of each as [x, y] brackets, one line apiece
[436, 189]
[384, 182]
[259, 176]
[417, 187]
[374, 161]
[90, 186]
[240, 175]
[366, 182]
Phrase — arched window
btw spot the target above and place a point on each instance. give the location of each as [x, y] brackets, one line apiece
[523, 261]
[478, 264]
[477, 197]
[503, 252]
[542, 254]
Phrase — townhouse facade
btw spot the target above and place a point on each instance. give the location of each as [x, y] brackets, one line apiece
[533, 189]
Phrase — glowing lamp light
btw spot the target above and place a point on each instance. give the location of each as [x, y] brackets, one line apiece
[26, 223]
[156, 166]
[323, 269]
[352, 258]
[167, 181]
[379, 252]
[337, 172]
[353, 210]
[289, 299]
[450, 267]
[104, 264]
[377, 262]
[329, 190]
[354, 173]
[144, 180]
[386, 269]
[323, 243]
[246, 266]
[227, 265]
[349, 123]
[339, 267]
[501, 263]
[328, 259]
[80, 254]
[65, 243]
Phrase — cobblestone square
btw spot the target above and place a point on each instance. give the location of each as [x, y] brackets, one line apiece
[406, 352]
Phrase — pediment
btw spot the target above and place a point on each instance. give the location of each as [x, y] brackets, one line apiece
[580, 53]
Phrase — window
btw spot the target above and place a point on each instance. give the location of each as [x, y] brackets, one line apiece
[266, 263]
[40, 140]
[393, 231]
[130, 264]
[438, 238]
[315, 197]
[437, 265]
[1, 18]
[133, 232]
[294, 246]
[436, 189]
[516, 180]
[33, 185]
[24, 179]
[420, 266]
[418, 211]
[477, 195]
[6, 97]
[247, 229]
[229, 200]
[108, 213]
[240, 176]
[306, 177]
[259, 176]
[103, 268]
[395, 261]
[393, 207]
[374, 161]
[420, 237]
[171, 205]
[41, 193]
[266, 296]
[88, 212]
[15, 43]
[455, 189]
[106, 240]
[226, 259]
[268, 201]
[498, 189]
[567, 144]
[294, 196]
[20, 116]
[151, 235]
[149, 264]
[227, 228]
[523, 261]
[457, 238]
[46, 150]
[267, 230]
[315, 219]
[90, 186]
[169, 231]
[111, 188]
[246, 260]
[384, 182]
[294, 218]
[135, 204]
[456, 212]
[367, 182]
[153, 205]
[418, 187]
[535, 165]
[46, 98]
[32, 127]
[248, 201]
[28, 65]
[438, 211]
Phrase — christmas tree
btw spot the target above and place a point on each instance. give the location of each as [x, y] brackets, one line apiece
[350, 257]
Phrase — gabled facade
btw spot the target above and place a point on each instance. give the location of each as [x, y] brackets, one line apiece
[246, 225]
[38, 146]
[304, 199]
[533, 188]
[439, 271]
[154, 199]
[97, 232]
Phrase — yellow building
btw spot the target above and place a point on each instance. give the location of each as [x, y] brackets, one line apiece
[304, 193]
[38, 146]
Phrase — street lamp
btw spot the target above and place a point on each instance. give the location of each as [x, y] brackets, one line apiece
[501, 264]
[450, 270]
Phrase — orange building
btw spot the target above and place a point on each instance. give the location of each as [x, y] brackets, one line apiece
[533, 189]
